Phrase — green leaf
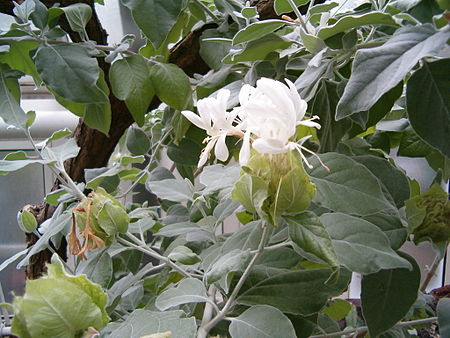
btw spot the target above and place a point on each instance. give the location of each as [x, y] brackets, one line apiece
[176, 229]
[251, 191]
[411, 145]
[261, 321]
[278, 291]
[12, 259]
[233, 261]
[78, 15]
[186, 152]
[391, 178]
[130, 81]
[17, 160]
[70, 72]
[59, 154]
[18, 57]
[10, 110]
[137, 141]
[392, 227]
[348, 187]
[184, 255]
[257, 30]
[57, 135]
[443, 312]
[24, 10]
[428, 104]
[361, 246]
[353, 21]
[39, 15]
[258, 49]
[190, 290]
[113, 218]
[98, 267]
[57, 296]
[143, 322]
[311, 42]
[386, 298]
[324, 106]
[310, 236]
[27, 221]
[337, 309]
[212, 49]
[155, 17]
[247, 237]
[168, 79]
[283, 6]
[219, 177]
[376, 70]
[325, 7]
[171, 189]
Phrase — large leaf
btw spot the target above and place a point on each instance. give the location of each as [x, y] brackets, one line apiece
[392, 227]
[190, 290]
[352, 21]
[98, 267]
[70, 72]
[171, 189]
[443, 312]
[257, 30]
[17, 160]
[360, 245]
[261, 321]
[283, 6]
[324, 106]
[155, 17]
[130, 81]
[376, 70]
[143, 322]
[168, 79]
[232, 261]
[306, 231]
[391, 178]
[78, 16]
[386, 298]
[18, 57]
[58, 295]
[348, 187]
[428, 104]
[10, 110]
[251, 191]
[291, 291]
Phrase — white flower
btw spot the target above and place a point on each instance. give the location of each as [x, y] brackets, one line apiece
[218, 123]
[271, 113]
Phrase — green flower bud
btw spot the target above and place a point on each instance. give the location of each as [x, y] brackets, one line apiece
[429, 215]
[27, 221]
[271, 184]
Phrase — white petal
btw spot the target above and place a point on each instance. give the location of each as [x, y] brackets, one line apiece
[221, 150]
[222, 99]
[310, 123]
[299, 104]
[194, 118]
[205, 153]
[279, 94]
[245, 93]
[269, 146]
[244, 154]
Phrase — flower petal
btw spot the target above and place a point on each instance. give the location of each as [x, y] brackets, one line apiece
[310, 123]
[299, 104]
[205, 153]
[269, 146]
[194, 118]
[244, 154]
[221, 150]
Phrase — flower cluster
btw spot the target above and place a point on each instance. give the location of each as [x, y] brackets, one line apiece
[266, 120]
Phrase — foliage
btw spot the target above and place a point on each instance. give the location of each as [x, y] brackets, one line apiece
[317, 192]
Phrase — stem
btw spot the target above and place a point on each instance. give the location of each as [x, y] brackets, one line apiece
[57, 171]
[147, 167]
[207, 10]
[298, 14]
[273, 247]
[145, 249]
[204, 329]
[432, 271]
[365, 329]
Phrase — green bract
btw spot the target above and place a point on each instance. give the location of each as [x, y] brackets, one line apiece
[273, 184]
[59, 305]
[429, 215]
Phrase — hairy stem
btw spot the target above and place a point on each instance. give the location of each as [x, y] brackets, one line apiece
[363, 329]
[205, 328]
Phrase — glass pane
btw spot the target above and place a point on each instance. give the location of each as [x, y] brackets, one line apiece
[17, 189]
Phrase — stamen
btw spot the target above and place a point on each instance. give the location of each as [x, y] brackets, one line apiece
[317, 156]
